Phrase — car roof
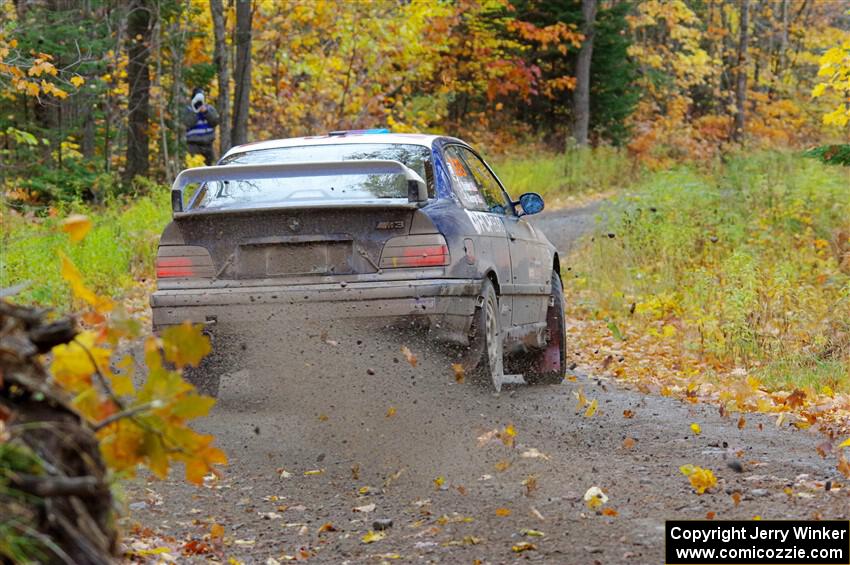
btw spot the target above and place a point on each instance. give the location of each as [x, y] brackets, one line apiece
[340, 139]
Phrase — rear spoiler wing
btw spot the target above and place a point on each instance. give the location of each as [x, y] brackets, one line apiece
[417, 190]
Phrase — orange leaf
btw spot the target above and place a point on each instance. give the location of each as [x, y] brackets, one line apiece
[408, 354]
[217, 531]
[503, 512]
[609, 512]
[459, 372]
[76, 226]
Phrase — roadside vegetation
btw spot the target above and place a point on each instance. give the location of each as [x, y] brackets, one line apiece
[564, 177]
[740, 268]
[115, 256]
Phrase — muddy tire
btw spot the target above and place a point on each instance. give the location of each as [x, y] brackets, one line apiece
[546, 366]
[483, 362]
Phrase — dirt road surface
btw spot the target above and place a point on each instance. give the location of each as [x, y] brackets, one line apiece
[339, 419]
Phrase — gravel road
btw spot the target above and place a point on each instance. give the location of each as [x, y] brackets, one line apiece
[339, 420]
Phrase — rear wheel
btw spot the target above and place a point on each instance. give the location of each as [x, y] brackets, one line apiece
[546, 366]
[484, 357]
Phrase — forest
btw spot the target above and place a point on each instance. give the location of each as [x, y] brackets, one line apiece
[708, 137]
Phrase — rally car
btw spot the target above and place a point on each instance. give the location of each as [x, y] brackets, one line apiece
[380, 226]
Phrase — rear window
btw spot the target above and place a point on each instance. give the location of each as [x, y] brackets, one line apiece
[318, 187]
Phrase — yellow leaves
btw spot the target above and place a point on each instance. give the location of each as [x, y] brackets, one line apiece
[696, 428]
[78, 81]
[80, 291]
[507, 435]
[459, 372]
[217, 531]
[76, 226]
[845, 443]
[390, 412]
[502, 465]
[595, 498]
[582, 401]
[581, 398]
[313, 472]
[439, 482]
[372, 537]
[523, 546]
[185, 344]
[74, 363]
[42, 66]
[701, 479]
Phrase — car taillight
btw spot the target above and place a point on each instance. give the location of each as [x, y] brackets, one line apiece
[183, 261]
[427, 250]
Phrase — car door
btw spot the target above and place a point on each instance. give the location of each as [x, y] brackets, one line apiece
[530, 278]
[488, 236]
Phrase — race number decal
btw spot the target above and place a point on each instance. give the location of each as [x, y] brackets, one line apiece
[485, 223]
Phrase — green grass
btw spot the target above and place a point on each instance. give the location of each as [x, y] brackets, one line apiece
[119, 250]
[742, 259]
[575, 172]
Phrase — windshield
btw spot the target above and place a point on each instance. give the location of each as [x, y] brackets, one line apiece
[220, 194]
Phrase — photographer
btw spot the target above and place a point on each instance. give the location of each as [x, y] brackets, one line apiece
[200, 120]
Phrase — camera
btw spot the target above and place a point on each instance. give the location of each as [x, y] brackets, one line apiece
[198, 101]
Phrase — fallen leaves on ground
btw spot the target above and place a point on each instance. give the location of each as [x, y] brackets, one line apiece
[534, 453]
[371, 537]
[503, 512]
[701, 479]
[408, 354]
[595, 498]
[696, 428]
[523, 546]
[459, 372]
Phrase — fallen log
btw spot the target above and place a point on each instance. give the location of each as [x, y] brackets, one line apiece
[55, 501]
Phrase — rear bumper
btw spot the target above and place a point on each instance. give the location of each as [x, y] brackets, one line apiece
[446, 306]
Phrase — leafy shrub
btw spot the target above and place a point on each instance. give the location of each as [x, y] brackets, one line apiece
[743, 263]
[831, 154]
[119, 251]
[574, 172]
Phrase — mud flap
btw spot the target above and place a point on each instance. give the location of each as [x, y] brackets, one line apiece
[499, 376]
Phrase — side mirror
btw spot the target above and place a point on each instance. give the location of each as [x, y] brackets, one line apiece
[531, 202]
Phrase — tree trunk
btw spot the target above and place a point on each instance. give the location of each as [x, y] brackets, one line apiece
[139, 30]
[242, 72]
[222, 63]
[581, 94]
[741, 82]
